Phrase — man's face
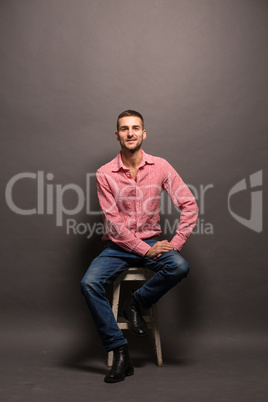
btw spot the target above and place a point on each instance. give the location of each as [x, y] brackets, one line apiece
[130, 133]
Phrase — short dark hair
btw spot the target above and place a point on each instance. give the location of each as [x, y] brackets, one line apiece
[129, 113]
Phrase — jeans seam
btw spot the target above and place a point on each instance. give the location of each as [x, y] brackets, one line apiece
[114, 272]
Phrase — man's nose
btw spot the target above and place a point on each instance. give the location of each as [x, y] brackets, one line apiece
[130, 133]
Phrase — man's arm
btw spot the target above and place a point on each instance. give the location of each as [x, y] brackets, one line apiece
[115, 227]
[184, 200]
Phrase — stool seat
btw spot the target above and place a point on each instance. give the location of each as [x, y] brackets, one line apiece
[136, 274]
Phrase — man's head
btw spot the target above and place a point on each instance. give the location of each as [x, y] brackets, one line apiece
[127, 113]
[130, 130]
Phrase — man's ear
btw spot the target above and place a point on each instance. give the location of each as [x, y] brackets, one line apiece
[116, 135]
[144, 135]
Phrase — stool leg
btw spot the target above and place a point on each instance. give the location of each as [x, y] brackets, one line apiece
[153, 312]
[156, 332]
[115, 304]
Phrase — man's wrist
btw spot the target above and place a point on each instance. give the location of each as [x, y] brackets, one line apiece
[148, 251]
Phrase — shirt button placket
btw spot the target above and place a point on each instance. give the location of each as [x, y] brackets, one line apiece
[138, 207]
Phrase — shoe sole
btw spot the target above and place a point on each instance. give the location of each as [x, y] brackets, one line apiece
[128, 373]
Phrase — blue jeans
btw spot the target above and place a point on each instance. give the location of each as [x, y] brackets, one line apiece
[170, 269]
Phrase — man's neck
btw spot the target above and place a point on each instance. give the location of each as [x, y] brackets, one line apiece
[131, 160]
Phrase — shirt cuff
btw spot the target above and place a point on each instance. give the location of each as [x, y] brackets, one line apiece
[177, 244]
[142, 248]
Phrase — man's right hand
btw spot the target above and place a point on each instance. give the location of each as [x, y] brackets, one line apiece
[159, 248]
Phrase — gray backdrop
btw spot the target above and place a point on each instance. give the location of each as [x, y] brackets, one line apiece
[197, 71]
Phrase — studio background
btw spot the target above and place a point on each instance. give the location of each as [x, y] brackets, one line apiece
[197, 71]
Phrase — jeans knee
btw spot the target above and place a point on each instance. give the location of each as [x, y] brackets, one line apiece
[181, 269]
[185, 267]
[83, 285]
[90, 286]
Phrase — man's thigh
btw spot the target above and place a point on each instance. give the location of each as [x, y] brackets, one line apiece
[109, 264]
[172, 259]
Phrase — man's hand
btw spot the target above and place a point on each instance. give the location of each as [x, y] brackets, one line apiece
[159, 248]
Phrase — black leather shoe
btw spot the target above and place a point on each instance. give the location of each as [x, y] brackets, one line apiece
[122, 365]
[134, 317]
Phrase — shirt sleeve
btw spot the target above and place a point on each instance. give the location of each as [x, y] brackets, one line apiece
[114, 225]
[184, 200]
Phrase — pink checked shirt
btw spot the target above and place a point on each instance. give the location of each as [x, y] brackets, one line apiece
[131, 209]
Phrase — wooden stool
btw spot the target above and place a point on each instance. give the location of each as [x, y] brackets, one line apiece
[136, 274]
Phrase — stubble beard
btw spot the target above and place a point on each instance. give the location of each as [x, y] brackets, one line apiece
[132, 150]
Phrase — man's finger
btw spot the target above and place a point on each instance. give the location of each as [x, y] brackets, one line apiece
[158, 255]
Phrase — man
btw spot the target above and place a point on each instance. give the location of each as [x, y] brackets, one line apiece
[129, 189]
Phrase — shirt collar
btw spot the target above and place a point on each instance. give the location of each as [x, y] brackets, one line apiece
[118, 163]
